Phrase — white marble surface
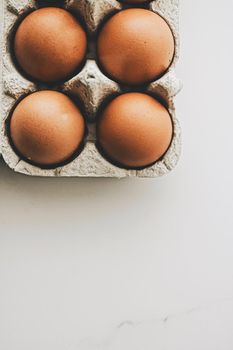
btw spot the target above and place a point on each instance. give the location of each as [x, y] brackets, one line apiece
[132, 264]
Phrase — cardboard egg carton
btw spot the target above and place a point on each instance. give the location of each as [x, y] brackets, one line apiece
[91, 86]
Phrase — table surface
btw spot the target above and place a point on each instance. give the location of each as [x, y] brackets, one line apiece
[103, 264]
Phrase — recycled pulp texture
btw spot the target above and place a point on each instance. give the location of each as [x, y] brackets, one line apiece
[92, 86]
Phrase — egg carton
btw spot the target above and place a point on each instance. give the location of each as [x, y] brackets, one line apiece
[91, 86]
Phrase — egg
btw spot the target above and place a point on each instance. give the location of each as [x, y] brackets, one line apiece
[134, 130]
[50, 45]
[135, 46]
[46, 128]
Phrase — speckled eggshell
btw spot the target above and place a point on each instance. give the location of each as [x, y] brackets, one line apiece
[135, 46]
[134, 130]
[50, 44]
[46, 128]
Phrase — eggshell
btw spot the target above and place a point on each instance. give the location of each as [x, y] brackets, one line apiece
[134, 130]
[135, 46]
[50, 44]
[46, 128]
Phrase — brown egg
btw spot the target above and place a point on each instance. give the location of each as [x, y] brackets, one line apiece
[47, 128]
[134, 130]
[50, 44]
[135, 46]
